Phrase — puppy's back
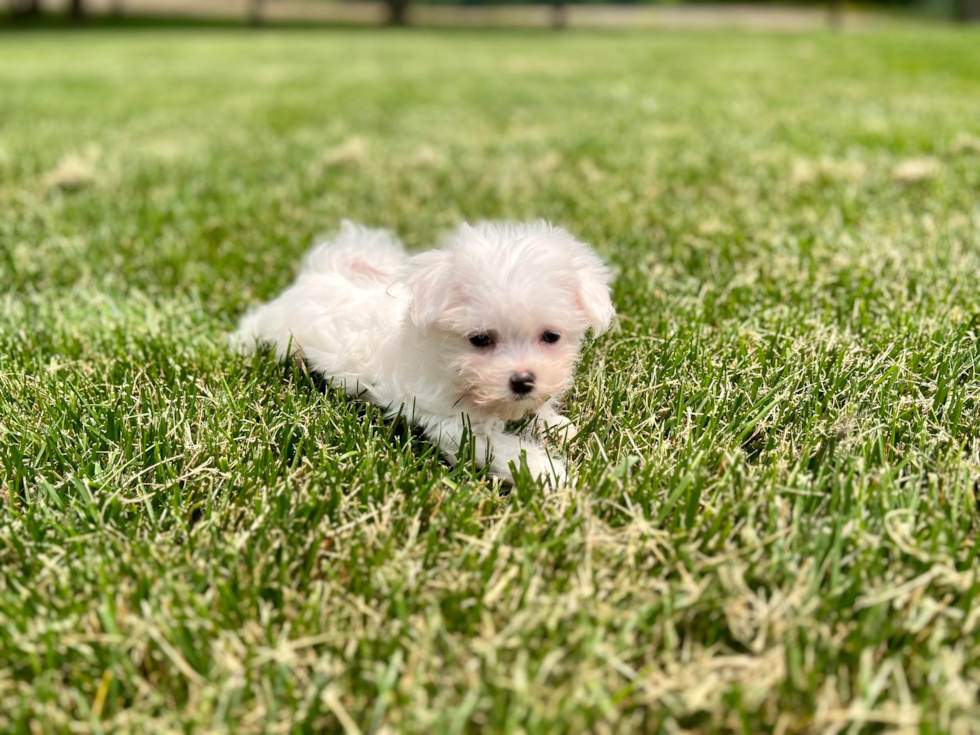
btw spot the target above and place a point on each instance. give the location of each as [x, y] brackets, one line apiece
[333, 305]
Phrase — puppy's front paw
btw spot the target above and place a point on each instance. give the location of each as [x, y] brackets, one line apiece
[550, 470]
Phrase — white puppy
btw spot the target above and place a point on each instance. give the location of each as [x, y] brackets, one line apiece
[461, 339]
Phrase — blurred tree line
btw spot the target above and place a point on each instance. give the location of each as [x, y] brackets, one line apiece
[32, 8]
[966, 10]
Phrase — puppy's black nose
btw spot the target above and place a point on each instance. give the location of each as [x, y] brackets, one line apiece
[522, 383]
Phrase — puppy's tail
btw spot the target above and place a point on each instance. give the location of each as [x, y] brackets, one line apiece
[356, 250]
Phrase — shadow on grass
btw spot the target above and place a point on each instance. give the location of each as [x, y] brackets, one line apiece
[398, 429]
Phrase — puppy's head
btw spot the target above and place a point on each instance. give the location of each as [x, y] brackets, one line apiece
[509, 305]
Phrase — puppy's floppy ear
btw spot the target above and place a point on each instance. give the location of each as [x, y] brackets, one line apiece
[591, 286]
[429, 281]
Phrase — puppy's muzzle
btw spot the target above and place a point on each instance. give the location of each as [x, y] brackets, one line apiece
[522, 383]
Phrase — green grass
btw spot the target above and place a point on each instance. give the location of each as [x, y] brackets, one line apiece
[774, 522]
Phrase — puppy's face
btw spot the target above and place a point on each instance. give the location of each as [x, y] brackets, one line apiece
[508, 362]
[509, 306]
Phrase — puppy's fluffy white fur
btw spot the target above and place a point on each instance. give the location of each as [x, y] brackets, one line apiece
[465, 338]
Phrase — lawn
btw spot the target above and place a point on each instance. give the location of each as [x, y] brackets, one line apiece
[773, 523]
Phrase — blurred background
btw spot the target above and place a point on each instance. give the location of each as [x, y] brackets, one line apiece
[505, 13]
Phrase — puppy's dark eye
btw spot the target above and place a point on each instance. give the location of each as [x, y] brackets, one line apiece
[483, 339]
[550, 337]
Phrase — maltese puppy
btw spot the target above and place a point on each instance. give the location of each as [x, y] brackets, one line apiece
[459, 340]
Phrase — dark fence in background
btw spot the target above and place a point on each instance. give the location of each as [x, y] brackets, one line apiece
[556, 13]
